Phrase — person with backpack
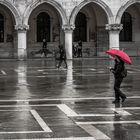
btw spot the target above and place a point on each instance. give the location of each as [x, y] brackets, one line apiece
[119, 72]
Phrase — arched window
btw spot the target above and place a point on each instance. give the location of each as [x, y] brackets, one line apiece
[1, 28]
[80, 32]
[43, 27]
[126, 33]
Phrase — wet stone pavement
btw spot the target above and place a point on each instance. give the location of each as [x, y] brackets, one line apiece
[38, 101]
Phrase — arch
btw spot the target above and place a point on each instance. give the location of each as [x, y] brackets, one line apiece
[43, 26]
[56, 5]
[12, 8]
[122, 10]
[80, 32]
[100, 3]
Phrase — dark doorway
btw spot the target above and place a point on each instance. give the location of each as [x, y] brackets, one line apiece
[43, 27]
[126, 33]
[80, 32]
[1, 28]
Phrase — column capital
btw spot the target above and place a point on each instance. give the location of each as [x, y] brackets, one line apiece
[21, 27]
[114, 27]
[68, 27]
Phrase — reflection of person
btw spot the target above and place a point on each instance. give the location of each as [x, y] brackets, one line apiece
[116, 133]
[44, 47]
[118, 68]
[62, 56]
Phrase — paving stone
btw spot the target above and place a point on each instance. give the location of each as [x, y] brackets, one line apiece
[35, 97]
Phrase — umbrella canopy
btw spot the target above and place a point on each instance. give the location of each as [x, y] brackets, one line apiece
[123, 55]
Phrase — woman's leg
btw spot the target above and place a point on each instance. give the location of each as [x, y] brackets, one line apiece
[117, 84]
[118, 92]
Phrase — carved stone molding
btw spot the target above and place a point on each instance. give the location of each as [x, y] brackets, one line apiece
[22, 27]
[68, 27]
[114, 27]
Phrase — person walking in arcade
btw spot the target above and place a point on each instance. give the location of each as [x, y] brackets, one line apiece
[62, 56]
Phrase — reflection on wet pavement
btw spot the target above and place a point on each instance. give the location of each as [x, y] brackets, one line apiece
[38, 101]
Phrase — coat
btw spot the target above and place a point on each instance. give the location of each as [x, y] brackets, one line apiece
[118, 68]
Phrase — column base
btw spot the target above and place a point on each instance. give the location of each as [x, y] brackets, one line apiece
[22, 54]
[117, 48]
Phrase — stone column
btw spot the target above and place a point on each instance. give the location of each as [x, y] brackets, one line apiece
[114, 31]
[22, 41]
[68, 29]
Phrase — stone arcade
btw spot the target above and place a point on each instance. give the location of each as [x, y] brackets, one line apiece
[100, 24]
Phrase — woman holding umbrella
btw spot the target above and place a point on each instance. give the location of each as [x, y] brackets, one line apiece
[120, 57]
[117, 71]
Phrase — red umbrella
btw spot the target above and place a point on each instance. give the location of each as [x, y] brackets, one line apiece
[123, 55]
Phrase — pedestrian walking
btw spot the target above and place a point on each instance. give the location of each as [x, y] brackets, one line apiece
[118, 70]
[62, 57]
[79, 49]
[74, 50]
[44, 47]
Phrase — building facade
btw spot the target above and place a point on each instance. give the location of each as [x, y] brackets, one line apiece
[99, 24]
